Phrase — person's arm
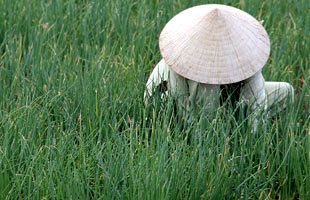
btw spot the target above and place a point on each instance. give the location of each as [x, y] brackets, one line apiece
[158, 77]
[254, 95]
[165, 80]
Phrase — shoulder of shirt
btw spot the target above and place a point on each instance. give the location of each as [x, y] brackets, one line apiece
[257, 75]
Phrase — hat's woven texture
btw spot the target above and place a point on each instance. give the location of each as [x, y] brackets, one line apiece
[214, 44]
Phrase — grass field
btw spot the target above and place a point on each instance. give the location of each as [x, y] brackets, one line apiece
[73, 124]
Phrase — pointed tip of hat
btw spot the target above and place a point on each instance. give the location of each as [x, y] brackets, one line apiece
[215, 10]
[214, 13]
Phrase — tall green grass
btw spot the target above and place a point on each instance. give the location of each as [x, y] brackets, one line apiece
[73, 123]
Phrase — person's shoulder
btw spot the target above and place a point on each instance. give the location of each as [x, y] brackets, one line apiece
[162, 65]
[256, 76]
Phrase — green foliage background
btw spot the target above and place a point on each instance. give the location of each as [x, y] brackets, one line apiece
[73, 124]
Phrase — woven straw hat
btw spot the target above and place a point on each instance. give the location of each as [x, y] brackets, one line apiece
[214, 44]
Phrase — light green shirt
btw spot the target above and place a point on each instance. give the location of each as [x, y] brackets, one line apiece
[190, 92]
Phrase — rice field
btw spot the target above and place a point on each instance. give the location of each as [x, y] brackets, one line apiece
[73, 124]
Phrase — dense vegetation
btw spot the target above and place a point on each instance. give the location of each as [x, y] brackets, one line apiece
[73, 124]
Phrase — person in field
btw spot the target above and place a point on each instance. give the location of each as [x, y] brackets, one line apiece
[212, 47]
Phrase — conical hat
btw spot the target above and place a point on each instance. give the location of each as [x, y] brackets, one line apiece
[214, 44]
